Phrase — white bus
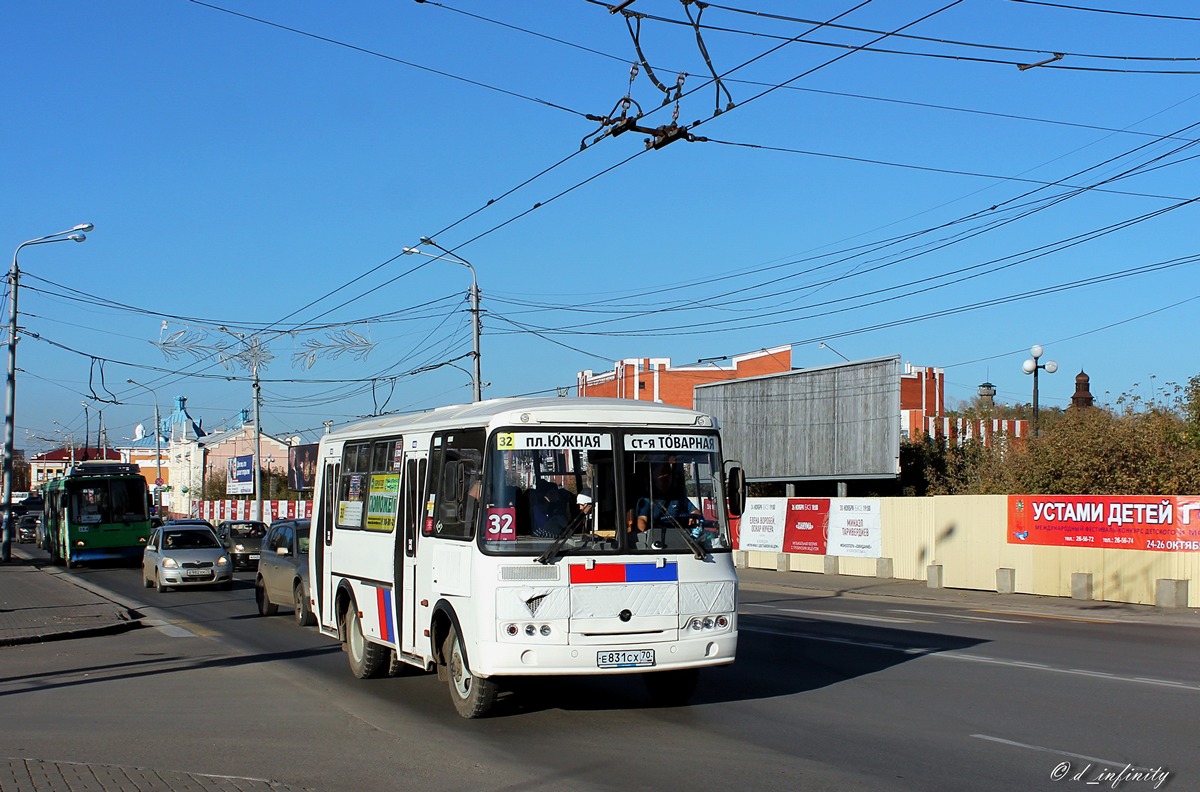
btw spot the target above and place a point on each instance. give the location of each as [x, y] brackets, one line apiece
[525, 537]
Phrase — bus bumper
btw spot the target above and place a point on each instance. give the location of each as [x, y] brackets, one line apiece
[530, 659]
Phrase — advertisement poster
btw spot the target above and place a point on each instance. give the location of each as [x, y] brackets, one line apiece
[239, 478]
[1115, 522]
[382, 497]
[806, 527]
[761, 526]
[302, 467]
[854, 528]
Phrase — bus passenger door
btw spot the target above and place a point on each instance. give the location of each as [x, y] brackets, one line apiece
[326, 518]
[416, 464]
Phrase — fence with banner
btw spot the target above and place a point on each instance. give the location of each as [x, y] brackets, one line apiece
[1138, 549]
[216, 511]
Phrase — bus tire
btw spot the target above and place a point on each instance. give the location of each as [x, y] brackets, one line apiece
[473, 696]
[671, 688]
[366, 659]
[265, 606]
[304, 614]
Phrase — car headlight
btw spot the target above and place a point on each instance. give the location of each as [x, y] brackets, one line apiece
[169, 563]
[222, 561]
[241, 548]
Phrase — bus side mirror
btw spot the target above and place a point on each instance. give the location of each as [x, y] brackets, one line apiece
[735, 489]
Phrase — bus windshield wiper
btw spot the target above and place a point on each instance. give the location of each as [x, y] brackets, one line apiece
[692, 542]
[561, 539]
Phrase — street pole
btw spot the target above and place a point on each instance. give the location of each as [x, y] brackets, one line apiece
[158, 479]
[476, 322]
[75, 234]
[1031, 366]
[258, 498]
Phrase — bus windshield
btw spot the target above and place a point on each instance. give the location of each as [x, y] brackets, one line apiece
[589, 492]
[108, 501]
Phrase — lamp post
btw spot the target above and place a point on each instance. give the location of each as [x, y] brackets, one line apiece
[476, 327]
[74, 234]
[1031, 366]
[158, 479]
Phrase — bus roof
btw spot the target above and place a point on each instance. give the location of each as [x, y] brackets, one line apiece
[537, 410]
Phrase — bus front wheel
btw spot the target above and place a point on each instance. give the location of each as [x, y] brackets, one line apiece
[366, 659]
[472, 695]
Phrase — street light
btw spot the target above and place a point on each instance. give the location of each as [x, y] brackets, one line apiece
[158, 479]
[1031, 366]
[75, 234]
[476, 328]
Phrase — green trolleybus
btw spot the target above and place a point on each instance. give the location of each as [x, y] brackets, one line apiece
[98, 510]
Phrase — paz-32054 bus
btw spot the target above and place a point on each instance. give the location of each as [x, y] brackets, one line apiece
[527, 537]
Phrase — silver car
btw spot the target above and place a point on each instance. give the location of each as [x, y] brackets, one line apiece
[283, 571]
[185, 555]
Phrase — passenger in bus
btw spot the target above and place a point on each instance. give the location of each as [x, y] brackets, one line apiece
[548, 509]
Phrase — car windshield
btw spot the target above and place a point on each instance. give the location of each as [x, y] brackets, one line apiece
[189, 540]
[588, 492]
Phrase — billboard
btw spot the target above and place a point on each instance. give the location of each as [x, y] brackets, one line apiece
[239, 478]
[829, 422]
[302, 467]
[849, 527]
[1113, 522]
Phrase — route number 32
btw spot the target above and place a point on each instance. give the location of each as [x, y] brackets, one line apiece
[501, 524]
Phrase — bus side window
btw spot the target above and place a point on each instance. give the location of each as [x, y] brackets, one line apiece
[454, 483]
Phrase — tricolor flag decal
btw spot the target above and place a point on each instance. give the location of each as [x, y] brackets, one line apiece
[625, 573]
[383, 599]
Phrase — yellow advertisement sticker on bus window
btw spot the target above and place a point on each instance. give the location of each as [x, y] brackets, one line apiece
[382, 499]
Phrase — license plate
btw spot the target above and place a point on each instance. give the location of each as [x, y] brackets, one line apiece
[197, 572]
[254, 556]
[625, 658]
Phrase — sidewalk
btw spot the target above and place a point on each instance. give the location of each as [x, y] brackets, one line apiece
[40, 602]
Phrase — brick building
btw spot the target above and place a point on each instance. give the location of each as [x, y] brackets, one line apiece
[656, 380]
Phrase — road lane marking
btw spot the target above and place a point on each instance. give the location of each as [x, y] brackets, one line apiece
[959, 616]
[1086, 620]
[845, 615]
[1057, 752]
[910, 650]
[971, 658]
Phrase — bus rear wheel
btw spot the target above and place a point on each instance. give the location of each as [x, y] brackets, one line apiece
[473, 696]
[366, 659]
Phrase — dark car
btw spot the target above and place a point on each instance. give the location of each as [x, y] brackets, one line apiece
[34, 504]
[27, 526]
[283, 571]
[242, 538]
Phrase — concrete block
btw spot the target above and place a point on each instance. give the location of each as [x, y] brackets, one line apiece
[933, 576]
[883, 568]
[1081, 585]
[831, 565]
[1170, 593]
[783, 562]
[741, 559]
[1006, 581]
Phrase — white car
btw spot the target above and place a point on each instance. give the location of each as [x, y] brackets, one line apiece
[185, 555]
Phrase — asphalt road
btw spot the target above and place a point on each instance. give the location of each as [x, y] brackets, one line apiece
[828, 692]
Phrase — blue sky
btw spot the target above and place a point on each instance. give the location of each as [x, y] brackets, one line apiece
[261, 166]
